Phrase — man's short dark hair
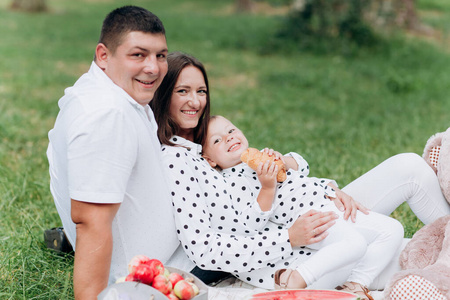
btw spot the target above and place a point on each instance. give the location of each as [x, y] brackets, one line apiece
[126, 19]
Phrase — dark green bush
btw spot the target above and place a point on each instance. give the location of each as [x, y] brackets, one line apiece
[326, 25]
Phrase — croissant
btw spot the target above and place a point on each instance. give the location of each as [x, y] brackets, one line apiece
[252, 157]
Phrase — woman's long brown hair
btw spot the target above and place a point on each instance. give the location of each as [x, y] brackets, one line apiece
[167, 127]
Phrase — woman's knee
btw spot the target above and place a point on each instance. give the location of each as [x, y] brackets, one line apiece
[393, 231]
[410, 163]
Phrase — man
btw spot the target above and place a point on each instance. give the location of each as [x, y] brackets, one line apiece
[104, 156]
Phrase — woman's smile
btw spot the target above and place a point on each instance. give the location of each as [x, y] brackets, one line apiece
[190, 112]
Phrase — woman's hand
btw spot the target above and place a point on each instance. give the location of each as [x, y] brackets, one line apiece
[345, 202]
[311, 228]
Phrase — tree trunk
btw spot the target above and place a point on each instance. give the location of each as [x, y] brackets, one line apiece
[29, 5]
[244, 6]
[407, 15]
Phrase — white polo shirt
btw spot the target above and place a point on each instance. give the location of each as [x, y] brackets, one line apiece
[104, 149]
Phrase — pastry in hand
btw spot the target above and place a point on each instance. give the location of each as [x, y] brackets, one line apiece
[252, 157]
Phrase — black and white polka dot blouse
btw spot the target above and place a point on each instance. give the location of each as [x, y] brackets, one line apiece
[208, 225]
[295, 196]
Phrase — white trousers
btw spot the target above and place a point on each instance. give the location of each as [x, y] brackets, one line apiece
[372, 241]
[401, 178]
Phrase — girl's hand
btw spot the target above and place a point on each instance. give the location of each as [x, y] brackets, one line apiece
[347, 203]
[267, 174]
[311, 228]
[272, 152]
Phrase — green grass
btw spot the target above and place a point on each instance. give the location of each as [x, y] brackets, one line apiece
[345, 114]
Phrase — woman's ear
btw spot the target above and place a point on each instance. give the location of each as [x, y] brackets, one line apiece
[101, 55]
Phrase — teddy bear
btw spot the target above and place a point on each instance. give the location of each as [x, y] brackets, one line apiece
[437, 155]
[425, 264]
[425, 261]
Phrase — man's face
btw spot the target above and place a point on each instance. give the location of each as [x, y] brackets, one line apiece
[138, 65]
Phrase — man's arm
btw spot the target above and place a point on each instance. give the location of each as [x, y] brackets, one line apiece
[93, 247]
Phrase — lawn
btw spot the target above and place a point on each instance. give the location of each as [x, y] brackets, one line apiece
[343, 113]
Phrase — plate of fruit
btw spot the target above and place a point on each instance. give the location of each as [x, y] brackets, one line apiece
[150, 279]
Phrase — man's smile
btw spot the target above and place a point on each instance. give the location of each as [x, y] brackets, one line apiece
[146, 82]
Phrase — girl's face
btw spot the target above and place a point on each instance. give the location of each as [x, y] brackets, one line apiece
[224, 143]
[188, 100]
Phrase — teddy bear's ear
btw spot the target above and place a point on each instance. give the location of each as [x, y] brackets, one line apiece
[431, 151]
[443, 165]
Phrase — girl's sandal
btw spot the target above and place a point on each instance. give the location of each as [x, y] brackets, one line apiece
[356, 288]
[288, 279]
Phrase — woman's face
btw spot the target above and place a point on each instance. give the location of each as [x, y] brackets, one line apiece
[188, 100]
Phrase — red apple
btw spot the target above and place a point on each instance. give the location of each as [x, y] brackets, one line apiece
[172, 296]
[143, 273]
[157, 266]
[195, 287]
[129, 277]
[190, 280]
[162, 284]
[183, 290]
[166, 272]
[136, 261]
[174, 278]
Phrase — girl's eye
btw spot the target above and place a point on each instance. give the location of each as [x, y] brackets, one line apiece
[183, 91]
[202, 92]
[231, 131]
[216, 141]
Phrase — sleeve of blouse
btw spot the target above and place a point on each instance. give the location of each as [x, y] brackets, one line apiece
[329, 191]
[303, 166]
[246, 204]
[213, 249]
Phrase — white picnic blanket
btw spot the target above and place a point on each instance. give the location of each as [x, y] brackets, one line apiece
[235, 289]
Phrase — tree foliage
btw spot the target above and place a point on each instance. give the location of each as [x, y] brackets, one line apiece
[345, 22]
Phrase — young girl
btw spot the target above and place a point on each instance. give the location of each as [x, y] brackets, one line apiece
[372, 240]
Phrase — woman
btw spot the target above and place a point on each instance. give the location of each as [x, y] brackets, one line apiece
[181, 107]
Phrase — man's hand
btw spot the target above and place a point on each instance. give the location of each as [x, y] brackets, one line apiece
[345, 202]
[311, 228]
[93, 247]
